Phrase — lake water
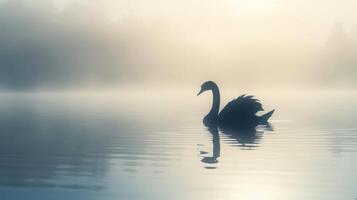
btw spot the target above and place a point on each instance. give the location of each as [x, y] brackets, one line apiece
[152, 145]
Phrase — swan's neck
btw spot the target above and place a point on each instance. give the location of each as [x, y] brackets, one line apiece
[216, 101]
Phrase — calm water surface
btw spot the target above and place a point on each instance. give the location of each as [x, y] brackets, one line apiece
[151, 145]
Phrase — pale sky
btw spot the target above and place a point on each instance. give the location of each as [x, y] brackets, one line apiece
[207, 19]
[280, 42]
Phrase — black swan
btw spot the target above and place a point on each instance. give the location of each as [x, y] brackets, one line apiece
[240, 113]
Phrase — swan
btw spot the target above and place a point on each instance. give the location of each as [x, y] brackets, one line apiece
[240, 113]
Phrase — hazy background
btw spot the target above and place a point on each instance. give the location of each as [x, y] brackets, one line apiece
[66, 44]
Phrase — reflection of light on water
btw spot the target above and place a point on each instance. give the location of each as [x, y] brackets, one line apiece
[257, 193]
[246, 191]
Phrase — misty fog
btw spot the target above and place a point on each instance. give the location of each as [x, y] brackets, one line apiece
[255, 43]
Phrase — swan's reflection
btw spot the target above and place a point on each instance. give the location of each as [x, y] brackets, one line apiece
[216, 146]
[247, 139]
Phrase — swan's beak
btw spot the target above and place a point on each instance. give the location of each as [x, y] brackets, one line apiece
[200, 92]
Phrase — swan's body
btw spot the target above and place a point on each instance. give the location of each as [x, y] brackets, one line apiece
[239, 113]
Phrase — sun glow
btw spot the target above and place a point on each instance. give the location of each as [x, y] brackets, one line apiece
[252, 5]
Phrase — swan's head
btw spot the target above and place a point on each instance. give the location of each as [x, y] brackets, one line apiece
[208, 85]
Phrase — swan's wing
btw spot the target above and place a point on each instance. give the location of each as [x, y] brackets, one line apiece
[242, 107]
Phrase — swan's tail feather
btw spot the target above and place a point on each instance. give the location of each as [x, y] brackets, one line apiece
[264, 118]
